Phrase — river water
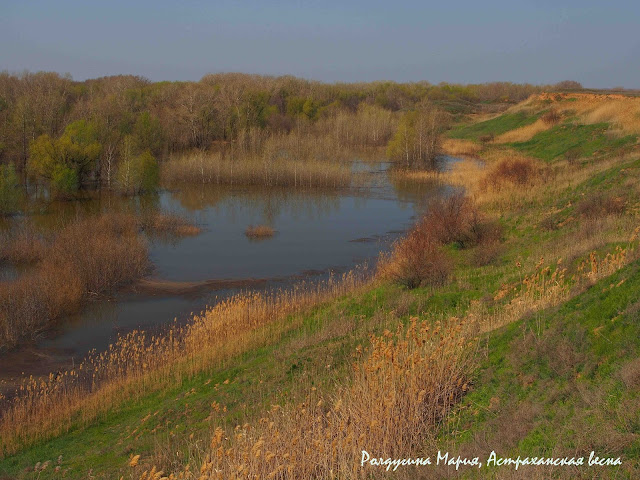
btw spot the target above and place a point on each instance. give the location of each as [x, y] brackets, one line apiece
[317, 233]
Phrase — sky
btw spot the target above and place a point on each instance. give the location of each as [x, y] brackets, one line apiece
[466, 41]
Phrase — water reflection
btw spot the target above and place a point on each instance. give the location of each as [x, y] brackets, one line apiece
[316, 231]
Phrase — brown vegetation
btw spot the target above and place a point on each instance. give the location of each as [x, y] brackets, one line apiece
[288, 160]
[419, 259]
[140, 363]
[517, 170]
[259, 231]
[91, 256]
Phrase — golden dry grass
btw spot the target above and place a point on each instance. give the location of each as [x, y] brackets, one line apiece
[525, 133]
[619, 110]
[139, 363]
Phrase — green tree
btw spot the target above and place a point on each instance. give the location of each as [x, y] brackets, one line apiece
[137, 173]
[66, 163]
[10, 191]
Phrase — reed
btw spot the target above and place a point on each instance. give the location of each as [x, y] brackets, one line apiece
[140, 363]
[292, 160]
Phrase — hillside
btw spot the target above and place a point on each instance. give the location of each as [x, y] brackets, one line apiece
[529, 346]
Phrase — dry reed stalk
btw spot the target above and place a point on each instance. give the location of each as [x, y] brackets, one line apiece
[138, 363]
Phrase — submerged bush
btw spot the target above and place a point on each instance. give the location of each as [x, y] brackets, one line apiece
[91, 256]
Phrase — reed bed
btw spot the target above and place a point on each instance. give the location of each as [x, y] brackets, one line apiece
[139, 363]
[403, 384]
[293, 160]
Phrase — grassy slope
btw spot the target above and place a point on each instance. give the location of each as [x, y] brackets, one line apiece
[495, 126]
[319, 353]
[563, 382]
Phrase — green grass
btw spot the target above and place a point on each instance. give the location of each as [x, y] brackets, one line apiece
[587, 140]
[495, 126]
[562, 382]
[527, 394]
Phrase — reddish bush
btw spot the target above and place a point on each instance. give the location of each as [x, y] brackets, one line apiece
[517, 171]
[418, 260]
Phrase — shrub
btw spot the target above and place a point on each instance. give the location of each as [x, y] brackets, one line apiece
[572, 155]
[599, 204]
[91, 256]
[488, 138]
[516, 171]
[551, 117]
[453, 220]
[417, 260]
[10, 192]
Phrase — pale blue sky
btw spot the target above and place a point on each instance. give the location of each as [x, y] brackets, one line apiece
[464, 41]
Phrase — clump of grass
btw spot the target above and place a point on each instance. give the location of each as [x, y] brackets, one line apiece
[259, 232]
[168, 224]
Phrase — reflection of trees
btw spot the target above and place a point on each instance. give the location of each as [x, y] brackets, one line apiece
[420, 193]
[270, 202]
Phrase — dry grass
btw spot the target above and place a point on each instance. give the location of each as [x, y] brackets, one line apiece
[168, 224]
[88, 257]
[619, 110]
[525, 133]
[139, 364]
[259, 231]
[402, 386]
[460, 148]
[293, 160]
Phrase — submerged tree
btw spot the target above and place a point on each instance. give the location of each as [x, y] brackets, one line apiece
[10, 192]
[416, 143]
[68, 162]
[137, 172]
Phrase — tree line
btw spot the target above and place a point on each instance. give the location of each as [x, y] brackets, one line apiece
[112, 131]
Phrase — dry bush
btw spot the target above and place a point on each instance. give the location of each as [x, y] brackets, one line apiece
[515, 171]
[90, 256]
[488, 138]
[598, 205]
[259, 231]
[551, 117]
[417, 260]
[454, 219]
[24, 246]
